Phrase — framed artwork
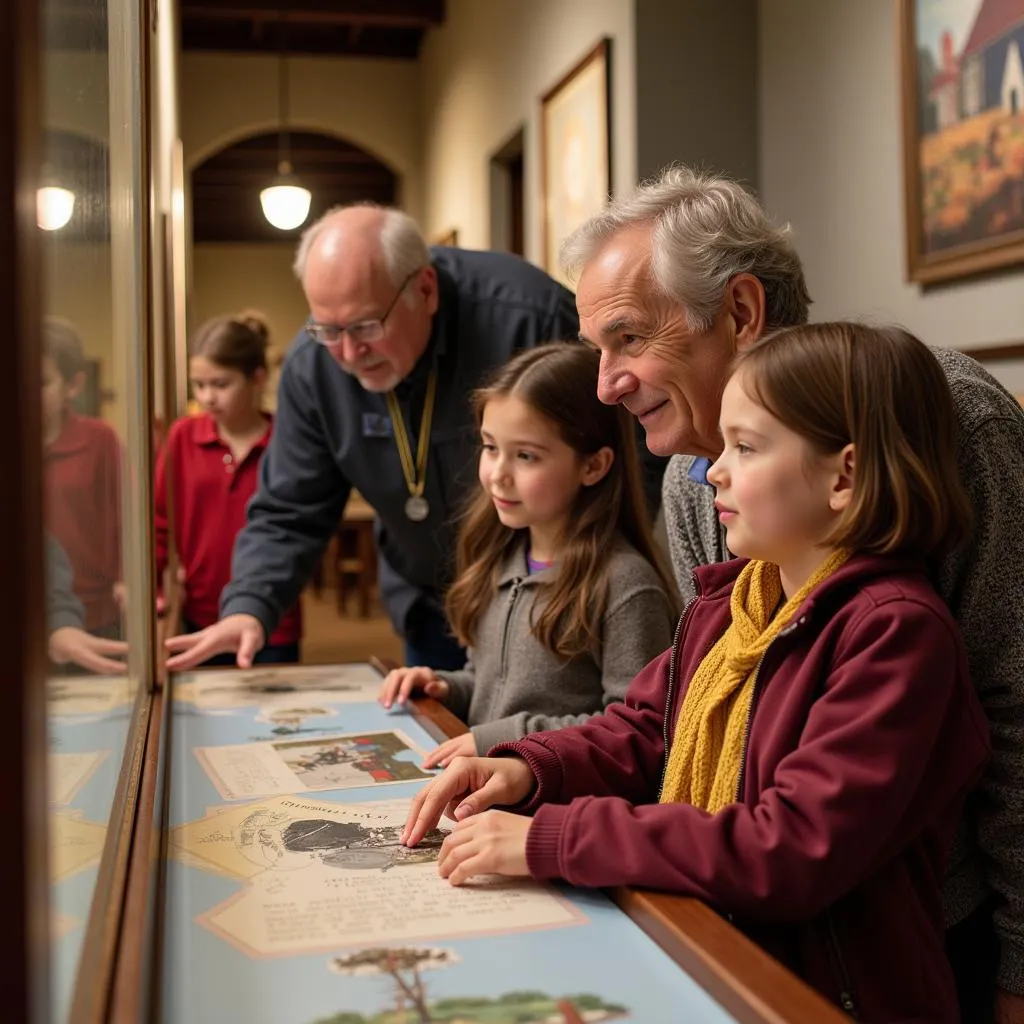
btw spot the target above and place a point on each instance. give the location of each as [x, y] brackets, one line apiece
[962, 64]
[450, 237]
[575, 150]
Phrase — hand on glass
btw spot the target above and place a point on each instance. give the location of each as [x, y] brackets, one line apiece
[237, 633]
[468, 786]
[401, 683]
[485, 844]
[458, 746]
[71, 644]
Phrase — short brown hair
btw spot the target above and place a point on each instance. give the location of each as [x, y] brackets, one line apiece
[881, 390]
[559, 382]
[234, 342]
[63, 344]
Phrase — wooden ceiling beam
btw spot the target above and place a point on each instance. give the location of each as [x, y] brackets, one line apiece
[419, 14]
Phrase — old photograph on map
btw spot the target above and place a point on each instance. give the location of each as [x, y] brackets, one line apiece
[321, 876]
[248, 770]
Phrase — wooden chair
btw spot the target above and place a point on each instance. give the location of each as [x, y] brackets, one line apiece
[355, 556]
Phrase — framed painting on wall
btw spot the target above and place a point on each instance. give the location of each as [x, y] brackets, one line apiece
[962, 64]
[575, 150]
[450, 238]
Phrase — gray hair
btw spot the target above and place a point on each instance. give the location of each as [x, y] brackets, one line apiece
[706, 229]
[401, 242]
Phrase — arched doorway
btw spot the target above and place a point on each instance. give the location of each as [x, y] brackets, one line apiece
[226, 186]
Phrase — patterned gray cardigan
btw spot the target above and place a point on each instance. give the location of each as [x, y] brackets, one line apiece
[982, 584]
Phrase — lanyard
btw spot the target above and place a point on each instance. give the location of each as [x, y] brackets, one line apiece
[416, 508]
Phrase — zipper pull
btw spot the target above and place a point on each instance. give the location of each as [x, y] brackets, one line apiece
[847, 1003]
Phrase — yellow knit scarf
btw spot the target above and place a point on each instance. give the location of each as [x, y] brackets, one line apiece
[707, 749]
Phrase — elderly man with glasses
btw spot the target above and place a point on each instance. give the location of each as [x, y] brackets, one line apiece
[375, 395]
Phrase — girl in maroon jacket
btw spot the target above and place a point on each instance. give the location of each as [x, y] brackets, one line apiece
[800, 757]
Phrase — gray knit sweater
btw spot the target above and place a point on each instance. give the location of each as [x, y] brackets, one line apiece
[981, 582]
[513, 685]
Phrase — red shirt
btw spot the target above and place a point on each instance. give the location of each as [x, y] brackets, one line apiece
[211, 493]
[83, 512]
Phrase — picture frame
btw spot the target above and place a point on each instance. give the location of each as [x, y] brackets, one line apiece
[575, 150]
[449, 238]
[962, 78]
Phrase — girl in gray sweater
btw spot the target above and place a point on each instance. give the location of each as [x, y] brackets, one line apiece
[560, 596]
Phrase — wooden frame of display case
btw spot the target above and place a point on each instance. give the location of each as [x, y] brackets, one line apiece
[24, 926]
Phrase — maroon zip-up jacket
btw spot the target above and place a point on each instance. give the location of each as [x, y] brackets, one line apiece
[864, 738]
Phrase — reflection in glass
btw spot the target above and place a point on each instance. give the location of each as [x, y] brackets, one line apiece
[90, 691]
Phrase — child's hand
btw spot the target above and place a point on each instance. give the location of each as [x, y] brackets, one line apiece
[485, 844]
[401, 683]
[468, 786]
[459, 746]
[71, 644]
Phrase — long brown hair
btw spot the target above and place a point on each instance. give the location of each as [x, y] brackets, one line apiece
[559, 382]
[882, 391]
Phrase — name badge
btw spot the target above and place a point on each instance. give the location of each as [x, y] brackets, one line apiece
[376, 425]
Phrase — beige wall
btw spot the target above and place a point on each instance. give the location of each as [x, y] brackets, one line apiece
[230, 278]
[831, 165]
[696, 73]
[484, 72]
[370, 103]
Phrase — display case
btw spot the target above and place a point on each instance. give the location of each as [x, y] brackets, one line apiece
[219, 847]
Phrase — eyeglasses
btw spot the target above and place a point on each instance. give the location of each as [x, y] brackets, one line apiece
[363, 332]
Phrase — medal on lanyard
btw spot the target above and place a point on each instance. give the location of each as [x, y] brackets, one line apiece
[416, 507]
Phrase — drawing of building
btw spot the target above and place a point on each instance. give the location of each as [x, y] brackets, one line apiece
[991, 68]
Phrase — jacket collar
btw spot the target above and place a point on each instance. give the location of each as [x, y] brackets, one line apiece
[443, 326]
[713, 582]
[205, 431]
[514, 567]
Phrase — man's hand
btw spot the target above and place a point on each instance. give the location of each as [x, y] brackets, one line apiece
[237, 633]
[458, 746]
[71, 644]
[486, 844]
[1009, 1008]
[401, 683]
[468, 786]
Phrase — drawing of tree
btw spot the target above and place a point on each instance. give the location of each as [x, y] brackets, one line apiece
[404, 965]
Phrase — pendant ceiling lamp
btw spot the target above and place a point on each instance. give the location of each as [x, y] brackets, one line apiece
[285, 203]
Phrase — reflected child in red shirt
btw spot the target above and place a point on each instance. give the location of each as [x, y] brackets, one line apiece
[208, 471]
[82, 457]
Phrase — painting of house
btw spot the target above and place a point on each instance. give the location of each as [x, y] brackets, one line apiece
[963, 64]
[993, 74]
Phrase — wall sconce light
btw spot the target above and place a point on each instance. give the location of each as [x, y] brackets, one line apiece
[54, 207]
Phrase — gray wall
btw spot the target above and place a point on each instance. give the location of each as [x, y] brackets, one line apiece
[697, 81]
[831, 164]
